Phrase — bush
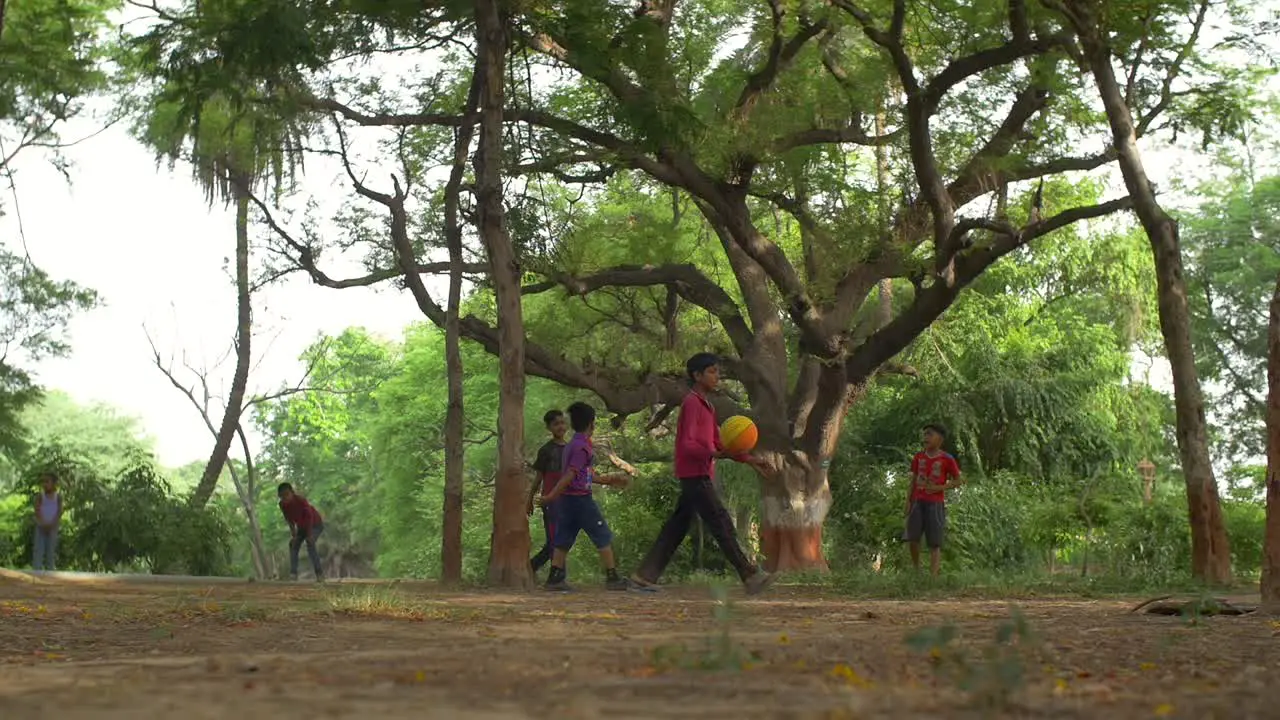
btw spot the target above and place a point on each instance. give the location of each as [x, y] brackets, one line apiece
[133, 521]
[1246, 523]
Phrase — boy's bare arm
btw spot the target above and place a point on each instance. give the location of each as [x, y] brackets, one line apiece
[954, 482]
[561, 484]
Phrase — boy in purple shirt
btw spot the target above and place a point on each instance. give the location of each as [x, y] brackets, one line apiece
[576, 510]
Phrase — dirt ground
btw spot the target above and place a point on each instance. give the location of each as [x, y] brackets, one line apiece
[73, 650]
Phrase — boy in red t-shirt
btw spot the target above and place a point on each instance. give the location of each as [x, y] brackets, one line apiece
[933, 472]
[698, 447]
[305, 525]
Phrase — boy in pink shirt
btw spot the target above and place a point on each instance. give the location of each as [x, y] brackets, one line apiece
[697, 449]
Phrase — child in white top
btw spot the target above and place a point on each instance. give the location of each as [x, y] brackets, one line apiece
[48, 510]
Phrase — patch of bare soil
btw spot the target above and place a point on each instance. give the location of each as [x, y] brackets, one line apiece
[284, 651]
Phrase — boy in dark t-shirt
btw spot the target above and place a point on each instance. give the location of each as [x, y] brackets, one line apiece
[547, 472]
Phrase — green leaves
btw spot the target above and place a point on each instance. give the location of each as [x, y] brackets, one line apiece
[1233, 251]
[53, 55]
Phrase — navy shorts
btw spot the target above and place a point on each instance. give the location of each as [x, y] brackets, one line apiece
[928, 519]
[576, 513]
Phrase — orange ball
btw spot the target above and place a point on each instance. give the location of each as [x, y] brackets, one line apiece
[738, 435]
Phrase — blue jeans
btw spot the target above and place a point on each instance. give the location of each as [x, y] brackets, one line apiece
[307, 535]
[46, 549]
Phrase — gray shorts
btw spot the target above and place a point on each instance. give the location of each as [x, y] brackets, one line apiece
[928, 519]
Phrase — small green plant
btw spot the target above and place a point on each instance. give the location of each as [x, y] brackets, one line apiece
[718, 651]
[990, 677]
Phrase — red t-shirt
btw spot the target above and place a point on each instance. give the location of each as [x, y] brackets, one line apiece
[698, 438]
[300, 512]
[929, 470]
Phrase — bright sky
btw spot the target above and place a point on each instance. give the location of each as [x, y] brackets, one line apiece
[146, 239]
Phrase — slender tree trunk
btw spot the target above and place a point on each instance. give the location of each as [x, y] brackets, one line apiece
[884, 308]
[509, 556]
[746, 533]
[1271, 541]
[248, 499]
[454, 451]
[1211, 557]
[244, 329]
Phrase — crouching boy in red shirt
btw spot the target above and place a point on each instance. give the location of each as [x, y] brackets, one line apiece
[305, 525]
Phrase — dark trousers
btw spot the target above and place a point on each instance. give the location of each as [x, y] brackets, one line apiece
[308, 536]
[544, 555]
[697, 498]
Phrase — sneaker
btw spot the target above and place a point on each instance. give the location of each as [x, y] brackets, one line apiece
[293, 577]
[759, 582]
[620, 584]
[320, 579]
[640, 582]
[559, 586]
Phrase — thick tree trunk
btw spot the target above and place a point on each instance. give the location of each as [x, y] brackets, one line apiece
[509, 556]
[1211, 557]
[454, 452]
[793, 508]
[1271, 541]
[240, 380]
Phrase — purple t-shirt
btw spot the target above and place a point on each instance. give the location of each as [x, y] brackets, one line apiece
[579, 456]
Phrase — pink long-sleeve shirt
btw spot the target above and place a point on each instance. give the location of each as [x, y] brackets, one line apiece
[697, 438]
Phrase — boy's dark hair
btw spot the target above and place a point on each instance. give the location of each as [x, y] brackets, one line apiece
[700, 362]
[551, 416]
[282, 488]
[581, 415]
[935, 427]
[49, 475]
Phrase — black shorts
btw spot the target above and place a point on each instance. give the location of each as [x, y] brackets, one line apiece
[928, 519]
[576, 513]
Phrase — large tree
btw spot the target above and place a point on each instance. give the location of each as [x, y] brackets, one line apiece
[768, 143]
[1211, 556]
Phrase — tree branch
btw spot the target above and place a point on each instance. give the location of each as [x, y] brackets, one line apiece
[687, 280]
[932, 301]
[781, 54]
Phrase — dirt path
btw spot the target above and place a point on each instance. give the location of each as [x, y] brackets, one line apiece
[227, 651]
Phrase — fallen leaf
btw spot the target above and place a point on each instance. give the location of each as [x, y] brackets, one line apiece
[1163, 710]
[783, 639]
[1147, 666]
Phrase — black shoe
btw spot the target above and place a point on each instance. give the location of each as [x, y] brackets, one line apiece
[759, 582]
[557, 586]
[618, 584]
